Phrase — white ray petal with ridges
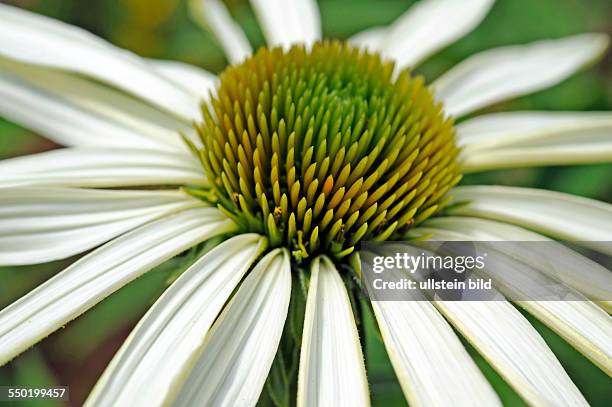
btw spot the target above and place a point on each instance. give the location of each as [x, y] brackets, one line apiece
[370, 38]
[581, 322]
[242, 343]
[75, 111]
[563, 216]
[101, 167]
[503, 73]
[331, 372]
[526, 128]
[38, 225]
[515, 349]
[100, 273]
[432, 366]
[36, 39]
[478, 229]
[574, 152]
[62, 120]
[551, 258]
[518, 139]
[214, 16]
[431, 25]
[287, 22]
[191, 78]
[141, 373]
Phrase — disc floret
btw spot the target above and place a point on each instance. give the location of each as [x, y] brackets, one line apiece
[320, 148]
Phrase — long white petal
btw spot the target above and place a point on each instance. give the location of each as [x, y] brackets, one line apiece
[505, 140]
[35, 39]
[71, 114]
[513, 347]
[572, 152]
[331, 362]
[432, 366]
[240, 348]
[75, 111]
[200, 83]
[499, 74]
[193, 79]
[370, 38]
[101, 167]
[213, 15]
[429, 26]
[38, 225]
[564, 216]
[581, 322]
[100, 273]
[526, 128]
[287, 22]
[552, 258]
[162, 348]
[477, 229]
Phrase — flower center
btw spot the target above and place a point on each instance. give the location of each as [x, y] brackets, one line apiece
[321, 148]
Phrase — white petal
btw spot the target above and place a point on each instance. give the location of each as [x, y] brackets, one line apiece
[193, 79]
[513, 347]
[582, 323]
[98, 167]
[35, 39]
[477, 229]
[72, 122]
[526, 128]
[369, 39]
[241, 346]
[38, 225]
[432, 366]
[287, 22]
[213, 15]
[499, 74]
[76, 111]
[142, 373]
[551, 258]
[564, 216]
[73, 110]
[566, 153]
[100, 273]
[506, 140]
[431, 25]
[331, 362]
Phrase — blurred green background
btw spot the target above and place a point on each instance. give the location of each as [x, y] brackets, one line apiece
[77, 354]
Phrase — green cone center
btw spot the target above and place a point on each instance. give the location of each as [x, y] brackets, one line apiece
[321, 148]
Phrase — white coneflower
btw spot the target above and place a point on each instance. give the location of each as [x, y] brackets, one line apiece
[299, 151]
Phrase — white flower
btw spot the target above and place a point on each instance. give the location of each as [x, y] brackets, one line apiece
[212, 337]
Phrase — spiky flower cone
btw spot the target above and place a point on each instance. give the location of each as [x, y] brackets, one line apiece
[322, 148]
